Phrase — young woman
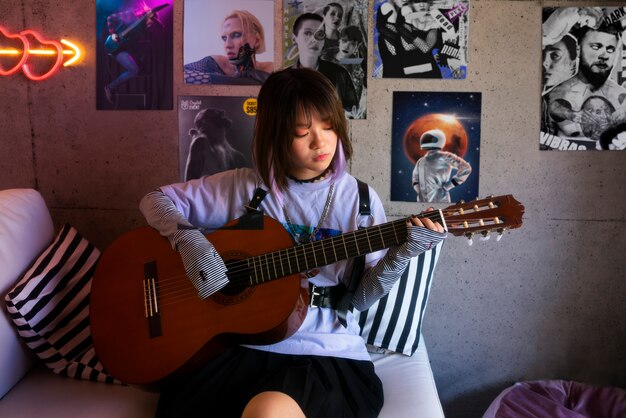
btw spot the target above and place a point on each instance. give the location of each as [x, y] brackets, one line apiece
[239, 28]
[300, 149]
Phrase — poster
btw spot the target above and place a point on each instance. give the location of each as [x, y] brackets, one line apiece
[583, 79]
[426, 39]
[134, 55]
[435, 140]
[215, 134]
[330, 36]
[228, 42]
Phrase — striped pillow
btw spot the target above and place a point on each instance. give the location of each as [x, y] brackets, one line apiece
[395, 321]
[50, 307]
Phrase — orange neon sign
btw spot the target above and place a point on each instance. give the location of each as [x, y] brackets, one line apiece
[38, 58]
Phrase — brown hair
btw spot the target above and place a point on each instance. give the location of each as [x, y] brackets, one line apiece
[282, 97]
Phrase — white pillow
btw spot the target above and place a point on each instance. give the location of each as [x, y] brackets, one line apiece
[25, 230]
[395, 321]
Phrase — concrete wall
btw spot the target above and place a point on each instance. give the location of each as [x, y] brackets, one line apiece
[547, 301]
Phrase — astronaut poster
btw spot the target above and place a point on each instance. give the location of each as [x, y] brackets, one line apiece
[330, 36]
[426, 39]
[228, 42]
[215, 134]
[435, 145]
[583, 79]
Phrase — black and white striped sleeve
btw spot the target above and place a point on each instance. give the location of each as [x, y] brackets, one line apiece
[203, 265]
[379, 280]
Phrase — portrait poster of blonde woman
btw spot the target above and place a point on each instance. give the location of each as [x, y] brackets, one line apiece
[228, 42]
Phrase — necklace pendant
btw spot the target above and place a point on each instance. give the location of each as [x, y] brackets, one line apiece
[304, 237]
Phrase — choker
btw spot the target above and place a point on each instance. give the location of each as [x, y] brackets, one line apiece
[311, 180]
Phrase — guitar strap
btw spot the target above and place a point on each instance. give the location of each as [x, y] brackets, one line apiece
[259, 195]
[358, 265]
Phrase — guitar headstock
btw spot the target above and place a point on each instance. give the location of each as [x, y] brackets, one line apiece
[495, 213]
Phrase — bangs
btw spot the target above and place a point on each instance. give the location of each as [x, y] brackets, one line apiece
[324, 105]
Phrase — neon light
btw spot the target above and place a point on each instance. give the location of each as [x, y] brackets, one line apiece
[57, 63]
[72, 54]
[76, 51]
[21, 62]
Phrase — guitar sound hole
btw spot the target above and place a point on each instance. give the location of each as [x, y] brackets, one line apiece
[233, 289]
[238, 289]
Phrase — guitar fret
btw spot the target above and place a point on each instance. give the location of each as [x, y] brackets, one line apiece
[289, 262]
[343, 239]
[332, 242]
[282, 269]
[393, 225]
[274, 265]
[368, 240]
[324, 253]
[295, 250]
[314, 255]
[356, 242]
[382, 239]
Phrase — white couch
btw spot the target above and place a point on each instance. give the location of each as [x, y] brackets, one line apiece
[29, 389]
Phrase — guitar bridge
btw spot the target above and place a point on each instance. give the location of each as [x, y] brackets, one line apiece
[151, 299]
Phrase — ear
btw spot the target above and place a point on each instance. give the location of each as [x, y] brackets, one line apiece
[193, 132]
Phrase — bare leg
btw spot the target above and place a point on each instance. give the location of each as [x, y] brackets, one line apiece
[272, 405]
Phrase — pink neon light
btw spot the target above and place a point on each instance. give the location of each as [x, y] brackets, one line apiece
[57, 64]
[21, 62]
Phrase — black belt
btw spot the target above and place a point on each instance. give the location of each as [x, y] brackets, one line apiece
[326, 297]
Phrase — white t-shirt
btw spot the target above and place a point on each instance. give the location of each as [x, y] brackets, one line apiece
[210, 202]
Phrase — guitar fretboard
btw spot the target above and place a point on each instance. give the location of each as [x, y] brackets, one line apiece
[282, 263]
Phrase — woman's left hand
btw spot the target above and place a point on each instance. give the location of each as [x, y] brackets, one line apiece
[427, 222]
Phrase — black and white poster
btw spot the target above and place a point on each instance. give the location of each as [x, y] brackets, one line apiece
[584, 79]
[215, 134]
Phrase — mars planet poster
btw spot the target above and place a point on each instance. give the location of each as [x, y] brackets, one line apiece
[435, 146]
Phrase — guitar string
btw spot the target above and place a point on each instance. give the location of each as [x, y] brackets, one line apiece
[172, 290]
[243, 265]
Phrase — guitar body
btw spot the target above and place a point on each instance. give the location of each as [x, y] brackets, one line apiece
[150, 328]
[111, 47]
[143, 344]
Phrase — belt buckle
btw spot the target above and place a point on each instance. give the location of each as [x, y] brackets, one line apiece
[312, 295]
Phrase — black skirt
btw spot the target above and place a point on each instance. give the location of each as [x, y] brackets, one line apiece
[322, 386]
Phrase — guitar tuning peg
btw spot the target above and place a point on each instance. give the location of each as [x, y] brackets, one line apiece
[485, 236]
[500, 233]
[470, 238]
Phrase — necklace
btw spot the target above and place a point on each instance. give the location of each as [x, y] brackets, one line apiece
[304, 237]
[312, 179]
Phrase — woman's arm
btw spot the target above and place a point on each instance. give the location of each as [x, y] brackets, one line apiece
[203, 265]
[379, 280]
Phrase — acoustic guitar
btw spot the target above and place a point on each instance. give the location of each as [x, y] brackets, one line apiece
[111, 46]
[150, 328]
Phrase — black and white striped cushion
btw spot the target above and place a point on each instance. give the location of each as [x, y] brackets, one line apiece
[395, 321]
[50, 307]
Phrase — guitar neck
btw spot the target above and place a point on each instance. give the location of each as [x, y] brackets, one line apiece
[282, 263]
[133, 25]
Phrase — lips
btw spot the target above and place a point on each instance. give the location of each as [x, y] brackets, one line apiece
[320, 158]
[13, 41]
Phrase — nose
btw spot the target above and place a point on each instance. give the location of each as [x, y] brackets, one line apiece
[546, 62]
[317, 140]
